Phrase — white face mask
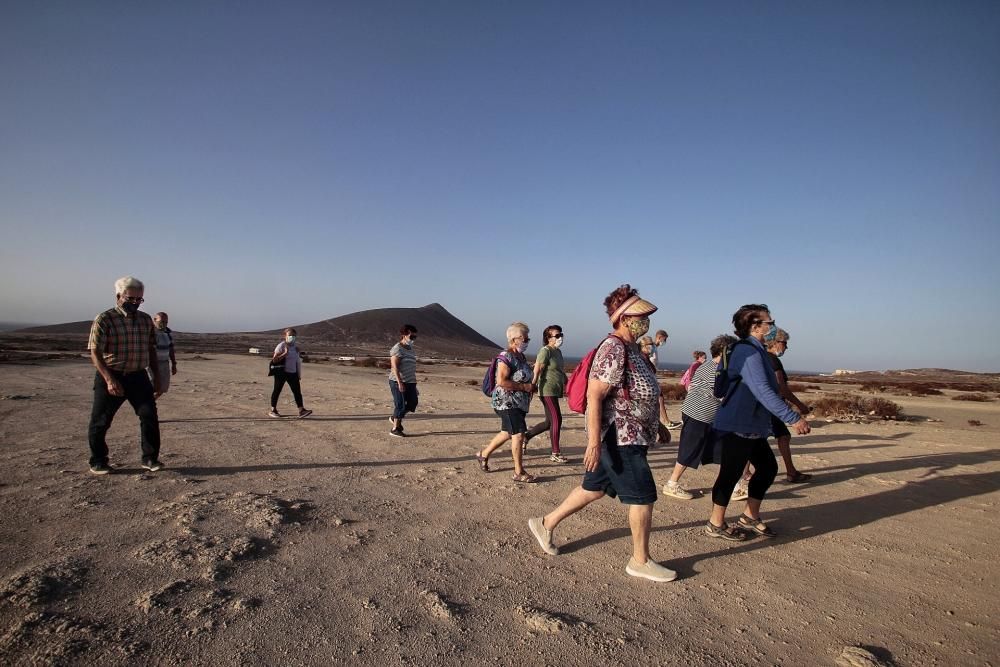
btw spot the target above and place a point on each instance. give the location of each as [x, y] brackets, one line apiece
[521, 347]
[289, 339]
[558, 343]
[411, 342]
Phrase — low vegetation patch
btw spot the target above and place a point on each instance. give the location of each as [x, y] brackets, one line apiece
[801, 388]
[673, 391]
[849, 406]
[976, 397]
[975, 422]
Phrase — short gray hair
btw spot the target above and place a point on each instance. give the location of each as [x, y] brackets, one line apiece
[128, 282]
[516, 329]
[781, 336]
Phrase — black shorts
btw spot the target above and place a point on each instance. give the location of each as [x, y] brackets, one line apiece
[512, 421]
[623, 472]
[696, 441]
[778, 428]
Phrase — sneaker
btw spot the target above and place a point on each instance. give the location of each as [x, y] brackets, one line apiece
[650, 570]
[398, 432]
[101, 468]
[741, 492]
[673, 426]
[675, 490]
[274, 413]
[726, 532]
[303, 413]
[543, 535]
[151, 466]
[558, 458]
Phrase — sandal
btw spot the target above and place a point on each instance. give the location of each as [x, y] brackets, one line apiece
[798, 477]
[725, 531]
[484, 462]
[524, 477]
[757, 525]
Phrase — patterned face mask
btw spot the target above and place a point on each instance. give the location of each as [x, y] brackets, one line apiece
[638, 327]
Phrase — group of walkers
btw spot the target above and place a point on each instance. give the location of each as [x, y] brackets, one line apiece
[625, 411]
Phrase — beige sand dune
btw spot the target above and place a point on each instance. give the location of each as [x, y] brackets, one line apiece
[305, 542]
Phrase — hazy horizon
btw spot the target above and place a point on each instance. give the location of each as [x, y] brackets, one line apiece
[263, 165]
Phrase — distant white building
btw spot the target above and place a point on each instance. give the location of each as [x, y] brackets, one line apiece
[843, 371]
[346, 358]
[254, 350]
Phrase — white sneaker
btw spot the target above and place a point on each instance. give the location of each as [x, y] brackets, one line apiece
[675, 490]
[543, 535]
[741, 492]
[650, 570]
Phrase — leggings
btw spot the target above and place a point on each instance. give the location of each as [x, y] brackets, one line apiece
[736, 451]
[553, 421]
[279, 383]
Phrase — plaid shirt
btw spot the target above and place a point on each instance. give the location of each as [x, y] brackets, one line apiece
[124, 342]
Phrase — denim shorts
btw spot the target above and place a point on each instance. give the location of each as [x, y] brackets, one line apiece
[623, 473]
[512, 421]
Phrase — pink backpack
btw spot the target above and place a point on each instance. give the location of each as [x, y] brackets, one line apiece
[576, 385]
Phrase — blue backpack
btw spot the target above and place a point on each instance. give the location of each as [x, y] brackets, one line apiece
[490, 379]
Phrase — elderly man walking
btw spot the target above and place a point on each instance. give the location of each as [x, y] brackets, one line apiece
[122, 346]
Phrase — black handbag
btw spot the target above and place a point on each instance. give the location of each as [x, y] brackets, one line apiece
[275, 366]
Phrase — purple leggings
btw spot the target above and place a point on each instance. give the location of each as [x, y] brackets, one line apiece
[552, 423]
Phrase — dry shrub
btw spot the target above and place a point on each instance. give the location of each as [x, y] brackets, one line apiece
[975, 422]
[473, 383]
[977, 397]
[872, 387]
[917, 389]
[673, 391]
[799, 388]
[848, 406]
[372, 362]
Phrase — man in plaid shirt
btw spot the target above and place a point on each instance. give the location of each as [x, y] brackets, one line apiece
[122, 346]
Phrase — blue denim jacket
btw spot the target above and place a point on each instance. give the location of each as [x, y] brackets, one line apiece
[756, 398]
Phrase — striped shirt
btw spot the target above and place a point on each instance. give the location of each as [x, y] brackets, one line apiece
[700, 402]
[407, 363]
[123, 341]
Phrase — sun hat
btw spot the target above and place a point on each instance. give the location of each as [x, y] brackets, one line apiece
[633, 307]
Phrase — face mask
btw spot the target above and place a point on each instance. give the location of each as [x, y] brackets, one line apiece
[130, 308]
[780, 354]
[289, 339]
[411, 342]
[161, 325]
[772, 333]
[521, 347]
[558, 343]
[638, 328]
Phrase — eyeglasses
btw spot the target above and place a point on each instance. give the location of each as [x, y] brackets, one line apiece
[522, 338]
[133, 299]
[767, 322]
[558, 335]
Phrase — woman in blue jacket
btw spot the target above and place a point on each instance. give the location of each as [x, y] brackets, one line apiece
[743, 423]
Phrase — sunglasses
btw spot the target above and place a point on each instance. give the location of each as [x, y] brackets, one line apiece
[133, 299]
[558, 335]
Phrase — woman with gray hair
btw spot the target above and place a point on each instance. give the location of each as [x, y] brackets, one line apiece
[510, 400]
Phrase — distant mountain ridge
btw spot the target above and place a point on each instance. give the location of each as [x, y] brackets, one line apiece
[367, 332]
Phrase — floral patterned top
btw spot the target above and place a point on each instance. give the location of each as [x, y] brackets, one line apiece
[637, 417]
[520, 371]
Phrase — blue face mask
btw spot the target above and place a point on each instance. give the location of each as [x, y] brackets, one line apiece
[772, 333]
[289, 339]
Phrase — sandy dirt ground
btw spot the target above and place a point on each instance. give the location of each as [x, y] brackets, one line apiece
[325, 540]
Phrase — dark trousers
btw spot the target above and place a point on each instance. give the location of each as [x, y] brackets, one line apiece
[403, 401]
[552, 423]
[139, 393]
[736, 451]
[280, 378]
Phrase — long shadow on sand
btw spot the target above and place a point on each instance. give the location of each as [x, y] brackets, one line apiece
[271, 467]
[815, 520]
[328, 418]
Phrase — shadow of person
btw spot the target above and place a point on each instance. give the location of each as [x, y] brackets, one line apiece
[802, 523]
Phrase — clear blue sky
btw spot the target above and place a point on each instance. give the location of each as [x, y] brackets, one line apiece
[260, 164]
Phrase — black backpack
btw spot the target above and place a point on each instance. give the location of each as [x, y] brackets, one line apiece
[725, 386]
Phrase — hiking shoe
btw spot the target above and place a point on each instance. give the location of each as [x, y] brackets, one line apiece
[151, 466]
[304, 413]
[397, 432]
[543, 535]
[650, 570]
[725, 531]
[673, 426]
[558, 458]
[274, 413]
[101, 468]
[675, 490]
[741, 492]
